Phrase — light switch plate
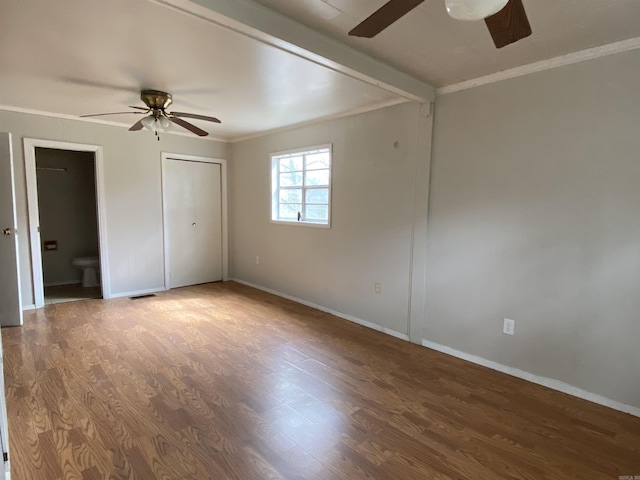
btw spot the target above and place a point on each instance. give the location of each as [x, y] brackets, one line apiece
[509, 327]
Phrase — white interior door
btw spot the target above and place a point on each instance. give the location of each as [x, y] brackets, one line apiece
[10, 303]
[193, 222]
[4, 431]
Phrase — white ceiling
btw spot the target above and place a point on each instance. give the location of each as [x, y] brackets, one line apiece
[75, 57]
[79, 57]
[430, 45]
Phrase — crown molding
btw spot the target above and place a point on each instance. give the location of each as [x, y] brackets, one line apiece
[568, 59]
[349, 113]
[64, 116]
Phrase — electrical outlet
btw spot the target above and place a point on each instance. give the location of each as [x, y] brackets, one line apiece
[509, 327]
[376, 287]
[257, 260]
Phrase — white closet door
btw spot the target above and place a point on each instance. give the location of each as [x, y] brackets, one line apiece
[193, 216]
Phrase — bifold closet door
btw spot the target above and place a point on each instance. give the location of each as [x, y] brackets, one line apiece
[193, 217]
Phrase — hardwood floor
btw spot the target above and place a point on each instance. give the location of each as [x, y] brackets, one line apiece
[222, 381]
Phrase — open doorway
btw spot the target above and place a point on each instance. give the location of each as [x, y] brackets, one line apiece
[68, 225]
[65, 195]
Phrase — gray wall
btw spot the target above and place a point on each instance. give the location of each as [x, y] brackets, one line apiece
[132, 175]
[67, 208]
[372, 218]
[534, 215]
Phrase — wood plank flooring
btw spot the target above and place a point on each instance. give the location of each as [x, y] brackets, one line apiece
[222, 381]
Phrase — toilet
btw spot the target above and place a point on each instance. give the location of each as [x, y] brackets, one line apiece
[90, 267]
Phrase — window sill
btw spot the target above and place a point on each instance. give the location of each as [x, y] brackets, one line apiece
[302, 224]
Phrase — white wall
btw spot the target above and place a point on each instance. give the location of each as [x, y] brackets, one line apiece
[67, 210]
[133, 193]
[534, 215]
[370, 239]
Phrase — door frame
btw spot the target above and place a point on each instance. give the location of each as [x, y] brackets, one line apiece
[30, 145]
[166, 156]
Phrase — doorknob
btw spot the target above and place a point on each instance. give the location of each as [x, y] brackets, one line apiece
[7, 231]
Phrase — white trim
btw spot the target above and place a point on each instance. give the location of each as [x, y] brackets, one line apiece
[37, 285]
[418, 253]
[231, 139]
[530, 377]
[311, 148]
[64, 116]
[300, 223]
[589, 54]
[317, 121]
[537, 379]
[28, 307]
[138, 292]
[101, 205]
[30, 145]
[351, 318]
[224, 205]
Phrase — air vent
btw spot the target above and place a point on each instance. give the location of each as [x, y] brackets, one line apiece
[138, 297]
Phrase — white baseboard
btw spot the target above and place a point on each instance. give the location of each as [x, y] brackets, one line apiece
[345, 316]
[515, 372]
[28, 307]
[137, 292]
[544, 381]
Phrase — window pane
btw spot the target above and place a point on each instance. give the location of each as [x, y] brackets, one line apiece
[317, 161]
[317, 195]
[316, 213]
[290, 195]
[291, 164]
[289, 211]
[316, 177]
[291, 179]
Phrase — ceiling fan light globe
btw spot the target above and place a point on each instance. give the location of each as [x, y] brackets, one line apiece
[148, 123]
[165, 124]
[470, 10]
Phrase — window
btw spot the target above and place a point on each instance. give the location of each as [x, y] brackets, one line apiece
[301, 186]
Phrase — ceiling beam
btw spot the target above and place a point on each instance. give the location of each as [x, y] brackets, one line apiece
[257, 21]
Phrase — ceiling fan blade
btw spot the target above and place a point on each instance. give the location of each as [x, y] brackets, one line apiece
[112, 113]
[189, 126]
[509, 25]
[385, 16]
[196, 116]
[146, 109]
[136, 126]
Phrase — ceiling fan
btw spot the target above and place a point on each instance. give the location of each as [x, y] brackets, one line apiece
[506, 19]
[159, 119]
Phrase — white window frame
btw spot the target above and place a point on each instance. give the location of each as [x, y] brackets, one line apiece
[275, 187]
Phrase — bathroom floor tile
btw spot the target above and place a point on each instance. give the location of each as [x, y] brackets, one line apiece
[70, 293]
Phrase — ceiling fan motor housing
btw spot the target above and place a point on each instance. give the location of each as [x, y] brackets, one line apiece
[156, 117]
[155, 99]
